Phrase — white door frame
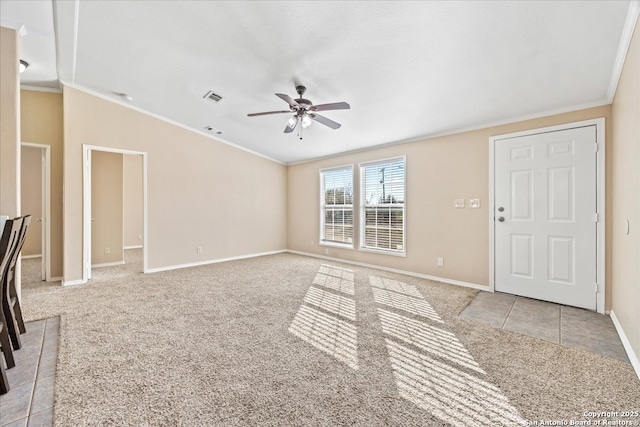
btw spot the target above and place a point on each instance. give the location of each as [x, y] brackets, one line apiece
[86, 205]
[600, 200]
[46, 204]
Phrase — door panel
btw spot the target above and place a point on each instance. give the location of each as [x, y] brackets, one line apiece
[545, 245]
[521, 255]
[561, 194]
[522, 195]
[561, 259]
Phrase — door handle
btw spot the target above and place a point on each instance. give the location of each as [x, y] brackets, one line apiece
[501, 219]
[39, 220]
[500, 209]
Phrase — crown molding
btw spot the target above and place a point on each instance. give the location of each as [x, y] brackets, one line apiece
[40, 89]
[623, 48]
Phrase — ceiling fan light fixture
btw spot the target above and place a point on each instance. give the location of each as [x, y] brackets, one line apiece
[23, 65]
[304, 112]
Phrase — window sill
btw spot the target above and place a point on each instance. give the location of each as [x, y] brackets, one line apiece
[337, 245]
[383, 252]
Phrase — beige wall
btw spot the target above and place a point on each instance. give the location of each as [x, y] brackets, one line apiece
[9, 123]
[197, 187]
[106, 208]
[132, 188]
[625, 195]
[438, 170]
[31, 195]
[10, 129]
[41, 123]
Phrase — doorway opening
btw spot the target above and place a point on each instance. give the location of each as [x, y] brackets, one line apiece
[115, 213]
[36, 201]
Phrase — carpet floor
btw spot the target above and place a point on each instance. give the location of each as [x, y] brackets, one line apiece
[288, 340]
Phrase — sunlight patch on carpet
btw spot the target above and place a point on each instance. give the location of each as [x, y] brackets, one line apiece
[324, 318]
[411, 305]
[327, 333]
[331, 302]
[454, 396]
[335, 278]
[330, 270]
[428, 338]
[395, 286]
[436, 372]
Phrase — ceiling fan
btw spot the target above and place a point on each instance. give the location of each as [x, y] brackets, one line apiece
[304, 112]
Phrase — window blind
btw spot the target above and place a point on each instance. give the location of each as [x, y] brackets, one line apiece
[382, 198]
[337, 205]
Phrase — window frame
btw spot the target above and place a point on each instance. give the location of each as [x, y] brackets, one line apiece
[362, 208]
[321, 240]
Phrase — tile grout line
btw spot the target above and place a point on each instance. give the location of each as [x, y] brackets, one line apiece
[509, 313]
[35, 383]
[560, 325]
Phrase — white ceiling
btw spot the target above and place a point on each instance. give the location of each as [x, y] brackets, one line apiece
[34, 19]
[409, 69]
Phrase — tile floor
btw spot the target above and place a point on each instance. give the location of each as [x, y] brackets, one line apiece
[30, 399]
[568, 326]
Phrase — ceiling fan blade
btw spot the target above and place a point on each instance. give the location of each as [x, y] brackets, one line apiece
[325, 121]
[288, 100]
[332, 106]
[267, 112]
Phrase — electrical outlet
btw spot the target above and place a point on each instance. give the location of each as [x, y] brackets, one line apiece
[312, 243]
[199, 249]
[440, 262]
[458, 203]
[474, 203]
[139, 236]
[107, 250]
[326, 251]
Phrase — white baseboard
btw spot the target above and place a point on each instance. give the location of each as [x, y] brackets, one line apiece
[133, 247]
[107, 264]
[31, 256]
[394, 270]
[212, 261]
[74, 282]
[633, 357]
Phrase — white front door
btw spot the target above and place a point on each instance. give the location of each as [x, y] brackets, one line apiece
[545, 216]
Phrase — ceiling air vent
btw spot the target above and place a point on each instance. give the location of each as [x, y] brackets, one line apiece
[213, 97]
[213, 130]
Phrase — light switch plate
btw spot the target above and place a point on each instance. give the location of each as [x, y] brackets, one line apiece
[474, 203]
[458, 203]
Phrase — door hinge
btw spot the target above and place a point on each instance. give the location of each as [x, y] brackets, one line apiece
[596, 288]
[596, 217]
[597, 147]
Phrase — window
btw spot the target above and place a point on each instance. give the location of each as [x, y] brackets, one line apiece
[336, 216]
[382, 198]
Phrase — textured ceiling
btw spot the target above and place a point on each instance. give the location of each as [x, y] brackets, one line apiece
[408, 69]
